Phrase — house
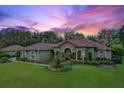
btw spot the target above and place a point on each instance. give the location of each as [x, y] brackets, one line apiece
[78, 49]
[13, 50]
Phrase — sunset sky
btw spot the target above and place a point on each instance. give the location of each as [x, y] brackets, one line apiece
[85, 19]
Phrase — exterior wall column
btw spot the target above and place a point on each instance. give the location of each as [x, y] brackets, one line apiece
[76, 55]
[54, 53]
[82, 54]
[21, 53]
[38, 54]
[30, 53]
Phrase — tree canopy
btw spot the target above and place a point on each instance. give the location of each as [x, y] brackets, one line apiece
[73, 35]
[10, 36]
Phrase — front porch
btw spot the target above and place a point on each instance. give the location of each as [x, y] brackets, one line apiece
[81, 55]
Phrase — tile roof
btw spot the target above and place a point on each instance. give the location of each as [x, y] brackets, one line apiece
[13, 48]
[40, 46]
[85, 43]
[51, 46]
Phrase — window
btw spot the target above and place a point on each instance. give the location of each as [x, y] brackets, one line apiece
[79, 55]
[90, 56]
[33, 54]
[67, 51]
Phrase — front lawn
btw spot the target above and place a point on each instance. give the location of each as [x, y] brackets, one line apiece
[29, 75]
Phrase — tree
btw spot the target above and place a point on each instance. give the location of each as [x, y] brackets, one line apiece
[10, 36]
[107, 35]
[51, 37]
[121, 34]
[91, 37]
[73, 35]
[117, 47]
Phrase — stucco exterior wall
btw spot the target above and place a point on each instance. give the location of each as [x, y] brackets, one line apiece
[92, 51]
[38, 56]
[11, 53]
[103, 54]
[44, 55]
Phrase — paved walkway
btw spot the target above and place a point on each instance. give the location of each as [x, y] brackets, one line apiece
[33, 63]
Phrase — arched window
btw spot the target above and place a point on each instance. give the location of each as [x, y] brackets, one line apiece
[67, 51]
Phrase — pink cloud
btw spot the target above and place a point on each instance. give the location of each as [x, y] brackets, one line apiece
[96, 19]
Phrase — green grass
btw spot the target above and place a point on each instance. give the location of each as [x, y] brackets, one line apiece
[29, 75]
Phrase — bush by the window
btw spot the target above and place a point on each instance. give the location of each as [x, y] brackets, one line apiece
[4, 60]
[23, 59]
[56, 62]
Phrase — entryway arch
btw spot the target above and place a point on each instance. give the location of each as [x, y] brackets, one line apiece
[67, 53]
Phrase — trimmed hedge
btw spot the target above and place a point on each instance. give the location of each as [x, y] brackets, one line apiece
[58, 65]
[4, 60]
[4, 57]
[100, 62]
[63, 68]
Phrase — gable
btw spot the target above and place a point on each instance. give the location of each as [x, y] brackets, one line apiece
[65, 45]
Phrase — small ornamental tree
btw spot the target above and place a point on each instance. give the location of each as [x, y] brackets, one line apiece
[56, 62]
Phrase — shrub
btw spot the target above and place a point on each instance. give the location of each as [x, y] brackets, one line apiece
[71, 61]
[56, 62]
[5, 59]
[46, 61]
[66, 63]
[87, 62]
[60, 66]
[23, 59]
[65, 68]
[94, 62]
[4, 55]
[98, 62]
[106, 62]
[122, 59]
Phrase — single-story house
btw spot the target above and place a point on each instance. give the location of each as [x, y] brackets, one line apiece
[79, 49]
